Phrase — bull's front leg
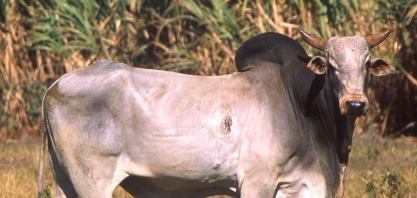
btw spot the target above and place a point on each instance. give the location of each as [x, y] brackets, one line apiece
[340, 191]
[290, 180]
[257, 182]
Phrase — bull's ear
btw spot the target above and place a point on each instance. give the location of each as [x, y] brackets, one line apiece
[379, 67]
[317, 64]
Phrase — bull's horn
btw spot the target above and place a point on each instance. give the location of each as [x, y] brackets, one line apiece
[314, 41]
[376, 39]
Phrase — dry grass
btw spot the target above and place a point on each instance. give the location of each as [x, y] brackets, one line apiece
[19, 170]
[371, 161]
[382, 168]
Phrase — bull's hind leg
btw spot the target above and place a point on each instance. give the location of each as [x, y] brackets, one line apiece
[95, 175]
[88, 180]
[63, 186]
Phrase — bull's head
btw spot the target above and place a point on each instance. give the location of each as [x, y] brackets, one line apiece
[347, 61]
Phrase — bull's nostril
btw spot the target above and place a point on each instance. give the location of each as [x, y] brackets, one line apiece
[355, 104]
[355, 108]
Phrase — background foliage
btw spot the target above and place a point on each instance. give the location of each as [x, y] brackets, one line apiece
[42, 40]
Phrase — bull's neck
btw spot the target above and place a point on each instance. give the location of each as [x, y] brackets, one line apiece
[266, 74]
[343, 125]
[315, 107]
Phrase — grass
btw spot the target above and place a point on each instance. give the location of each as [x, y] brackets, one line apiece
[19, 170]
[377, 168]
[382, 168]
[19, 167]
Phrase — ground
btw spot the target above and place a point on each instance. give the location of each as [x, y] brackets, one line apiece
[377, 168]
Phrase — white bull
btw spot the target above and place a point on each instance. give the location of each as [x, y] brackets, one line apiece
[272, 129]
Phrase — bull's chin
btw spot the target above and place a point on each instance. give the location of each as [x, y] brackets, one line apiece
[355, 113]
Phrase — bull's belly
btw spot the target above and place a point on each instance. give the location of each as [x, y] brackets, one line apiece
[175, 162]
[184, 176]
[180, 183]
[167, 187]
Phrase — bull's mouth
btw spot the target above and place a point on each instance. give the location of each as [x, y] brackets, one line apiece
[354, 106]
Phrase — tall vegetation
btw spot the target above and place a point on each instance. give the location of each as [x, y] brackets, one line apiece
[42, 40]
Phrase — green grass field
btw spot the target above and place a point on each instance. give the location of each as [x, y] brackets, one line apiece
[377, 168]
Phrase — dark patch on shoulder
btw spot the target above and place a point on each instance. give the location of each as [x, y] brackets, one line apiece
[316, 86]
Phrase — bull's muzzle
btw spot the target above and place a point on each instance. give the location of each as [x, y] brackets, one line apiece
[354, 106]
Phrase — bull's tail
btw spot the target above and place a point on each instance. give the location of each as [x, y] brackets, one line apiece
[42, 150]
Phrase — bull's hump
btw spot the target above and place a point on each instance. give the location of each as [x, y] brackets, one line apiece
[268, 47]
